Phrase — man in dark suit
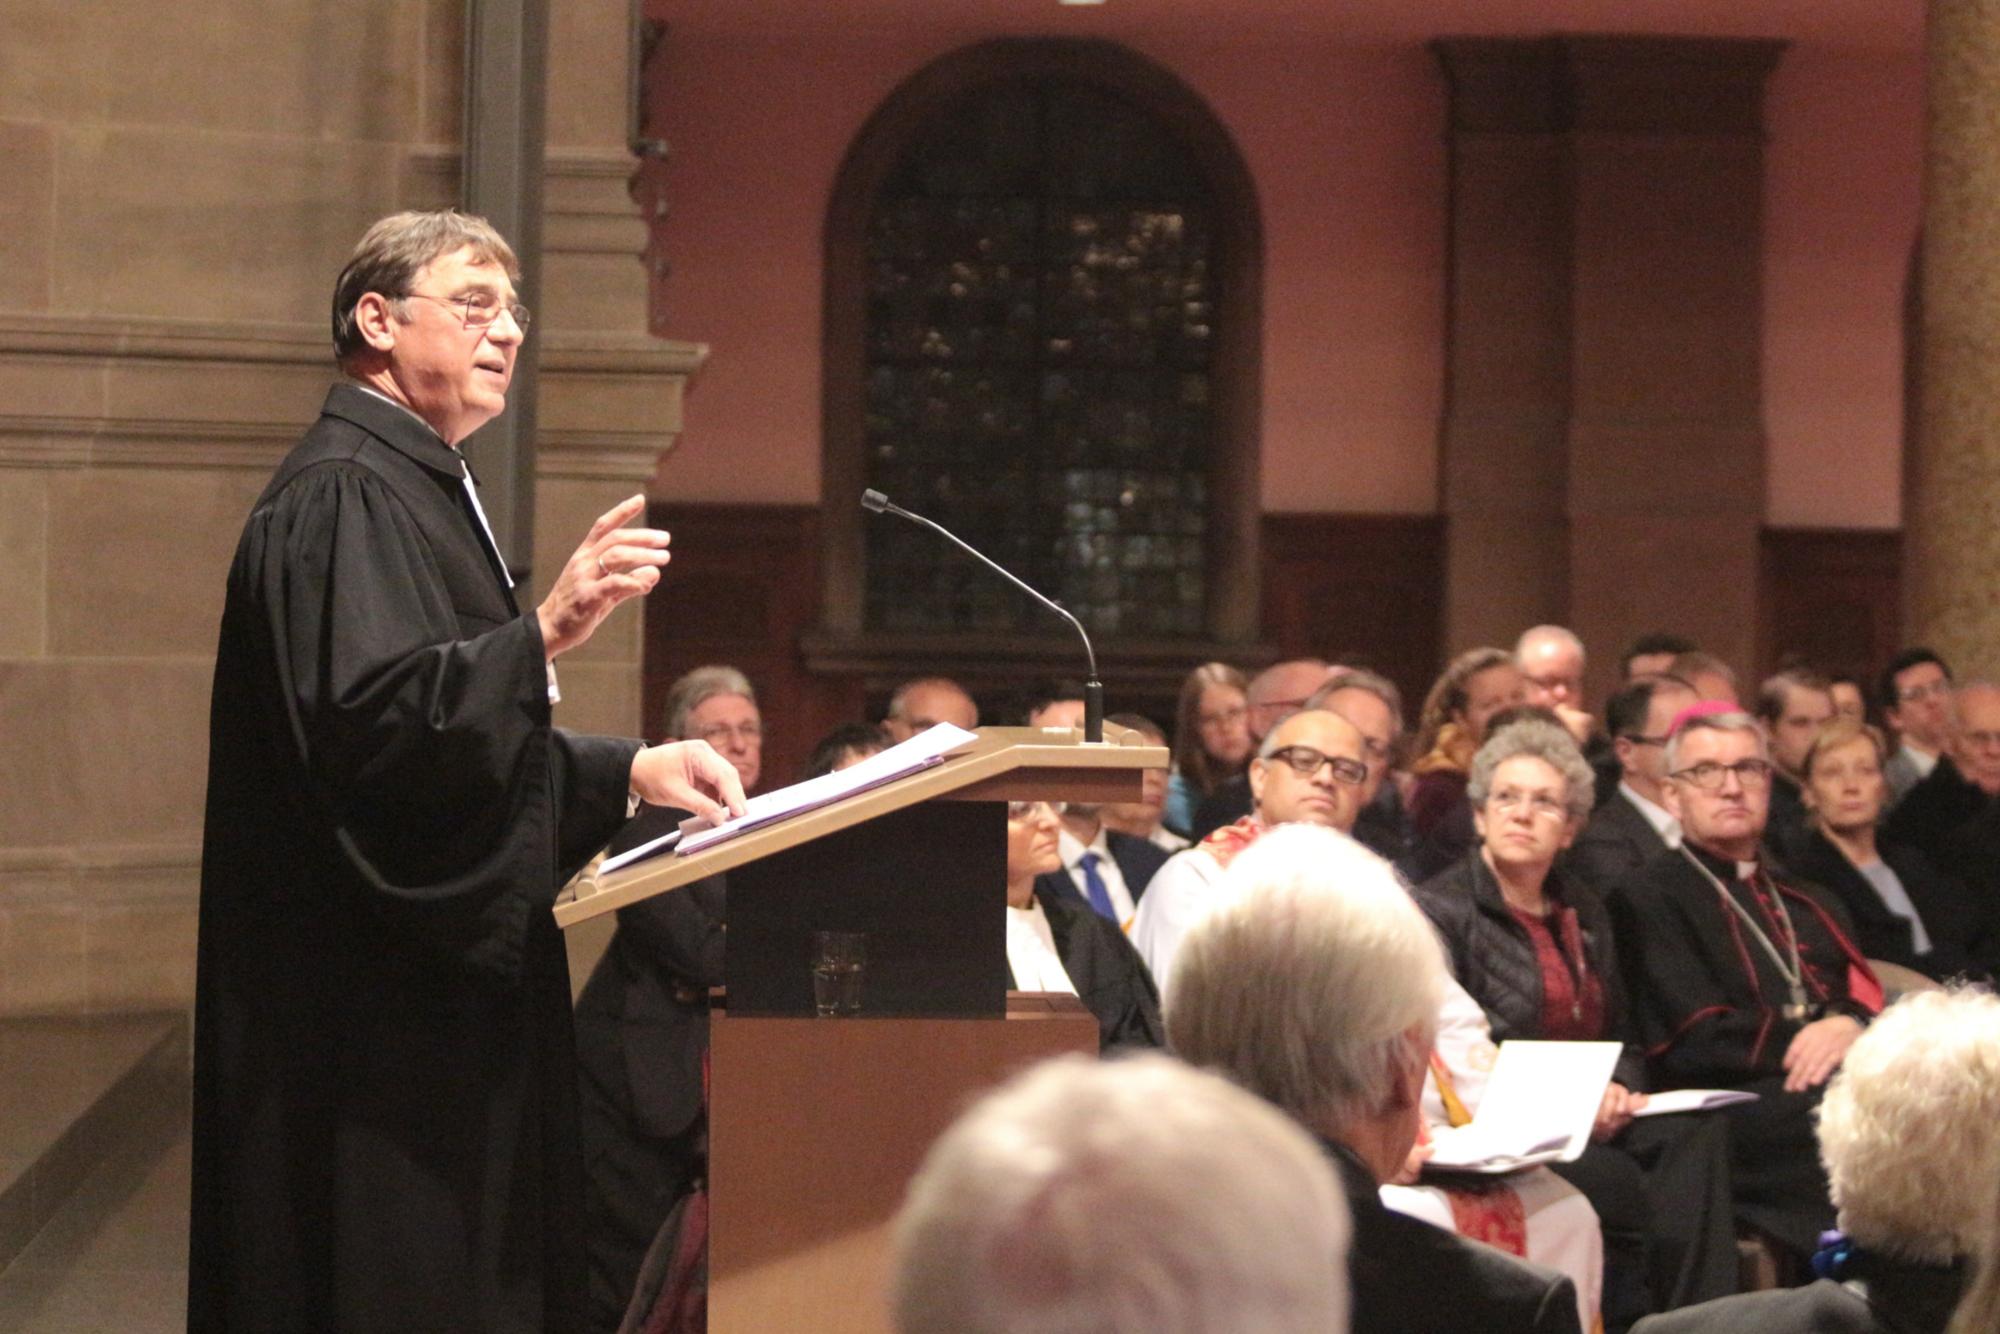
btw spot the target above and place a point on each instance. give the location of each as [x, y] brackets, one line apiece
[1792, 705]
[1348, 969]
[1101, 867]
[1634, 826]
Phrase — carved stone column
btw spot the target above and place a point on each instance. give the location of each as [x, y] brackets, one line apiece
[1951, 532]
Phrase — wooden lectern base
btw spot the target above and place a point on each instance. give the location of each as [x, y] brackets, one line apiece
[815, 1128]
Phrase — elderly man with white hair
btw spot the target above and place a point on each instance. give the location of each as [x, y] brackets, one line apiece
[1314, 981]
[1910, 1135]
[1135, 1195]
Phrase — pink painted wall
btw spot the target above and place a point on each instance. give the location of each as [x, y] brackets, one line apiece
[1344, 145]
[1843, 184]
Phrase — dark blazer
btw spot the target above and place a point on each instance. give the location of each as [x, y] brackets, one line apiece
[1228, 803]
[1109, 976]
[1933, 810]
[1618, 841]
[1889, 1299]
[1139, 860]
[1495, 961]
[1407, 1276]
[642, 1022]
[1957, 929]
[1788, 826]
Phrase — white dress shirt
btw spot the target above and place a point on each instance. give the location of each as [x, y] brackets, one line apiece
[1664, 824]
[1072, 850]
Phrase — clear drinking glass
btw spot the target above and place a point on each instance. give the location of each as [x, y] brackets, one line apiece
[839, 961]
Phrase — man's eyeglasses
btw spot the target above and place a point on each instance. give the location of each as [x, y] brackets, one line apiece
[1305, 762]
[1933, 690]
[1021, 810]
[1708, 775]
[480, 310]
[1235, 713]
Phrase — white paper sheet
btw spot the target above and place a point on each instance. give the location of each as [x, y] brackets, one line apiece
[1540, 1104]
[1692, 1100]
[920, 752]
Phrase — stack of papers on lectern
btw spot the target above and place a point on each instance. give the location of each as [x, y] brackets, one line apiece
[1539, 1107]
[920, 752]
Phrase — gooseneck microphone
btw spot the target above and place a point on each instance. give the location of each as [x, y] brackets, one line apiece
[1093, 689]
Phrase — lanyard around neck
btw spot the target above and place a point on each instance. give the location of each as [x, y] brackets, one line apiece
[1794, 974]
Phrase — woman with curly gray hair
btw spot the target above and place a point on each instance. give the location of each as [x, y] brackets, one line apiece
[1534, 948]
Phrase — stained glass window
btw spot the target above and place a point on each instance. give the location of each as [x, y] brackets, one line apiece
[1040, 319]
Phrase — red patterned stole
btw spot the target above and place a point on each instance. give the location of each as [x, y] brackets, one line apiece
[1224, 843]
[1490, 1212]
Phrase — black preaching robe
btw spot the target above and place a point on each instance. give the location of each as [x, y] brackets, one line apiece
[384, 1086]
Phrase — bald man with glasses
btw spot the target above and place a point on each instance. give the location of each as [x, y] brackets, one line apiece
[1311, 769]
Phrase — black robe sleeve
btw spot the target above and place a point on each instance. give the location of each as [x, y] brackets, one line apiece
[426, 751]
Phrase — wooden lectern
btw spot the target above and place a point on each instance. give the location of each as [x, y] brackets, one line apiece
[816, 1125]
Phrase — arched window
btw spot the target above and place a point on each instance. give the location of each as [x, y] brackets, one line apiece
[1042, 262]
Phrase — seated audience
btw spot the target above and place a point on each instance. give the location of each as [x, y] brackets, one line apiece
[917, 706]
[1792, 705]
[1551, 661]
[1738, 977]
[1850, 700]
[1653, 655]
[1100, 867]
[1056, 943]
[1050, 704]
[1375, 707]
[1960, 787]
[1316, 983]
[717, 705]
[1634, 826]
[1535, 951]
[1311, 768]
[1143, 818]
[1712, 678]
[1136, 1196]
[1910, 1135]
[1905, 911]
[1212, 740]
[1478, 684]
[1915, 696]
[847, 744]
[1275, 693]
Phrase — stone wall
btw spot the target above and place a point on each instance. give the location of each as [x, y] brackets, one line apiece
[180, 194]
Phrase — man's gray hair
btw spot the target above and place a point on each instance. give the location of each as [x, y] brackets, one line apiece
[1910, 1128]
[1135, 1194]
[1544, 741]
[1373, 683]
[698, 686]
[1313, 980]
[395, 250]
[1735, 720]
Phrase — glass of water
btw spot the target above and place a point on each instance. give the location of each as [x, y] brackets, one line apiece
[839, 960]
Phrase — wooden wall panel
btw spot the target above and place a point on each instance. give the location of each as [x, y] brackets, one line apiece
[1363, 589]
[1830, 595]
[743, 584]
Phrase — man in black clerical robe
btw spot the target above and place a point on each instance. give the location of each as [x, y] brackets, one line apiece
[385, 1107]
[1740, 977]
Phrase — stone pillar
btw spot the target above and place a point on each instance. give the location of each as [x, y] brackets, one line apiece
[1603, 439]
[1951, 540]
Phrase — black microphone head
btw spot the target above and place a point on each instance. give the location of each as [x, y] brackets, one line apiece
[874, 501]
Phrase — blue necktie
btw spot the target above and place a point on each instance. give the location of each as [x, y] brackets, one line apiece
[1100, 897]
